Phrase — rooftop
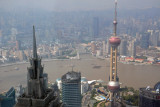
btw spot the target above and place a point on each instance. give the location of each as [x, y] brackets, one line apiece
[71, 77]
[150, 93]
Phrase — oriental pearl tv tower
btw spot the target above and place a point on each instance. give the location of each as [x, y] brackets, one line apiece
[113, 84]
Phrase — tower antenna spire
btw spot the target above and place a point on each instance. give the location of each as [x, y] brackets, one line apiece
[115, 19]
[34, 44]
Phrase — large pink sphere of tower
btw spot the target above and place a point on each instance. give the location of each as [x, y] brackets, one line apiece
[114, 22]
[113, 86]
[114, 41]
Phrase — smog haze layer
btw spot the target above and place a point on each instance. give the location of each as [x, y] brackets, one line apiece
[76, 5]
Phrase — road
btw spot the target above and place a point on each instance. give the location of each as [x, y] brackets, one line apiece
[86, 99]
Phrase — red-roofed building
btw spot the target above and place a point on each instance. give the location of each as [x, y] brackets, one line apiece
[150, 62]
[139, 60]
[129, 59]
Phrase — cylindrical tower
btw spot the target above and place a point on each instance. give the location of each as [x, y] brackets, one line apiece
[113, 84]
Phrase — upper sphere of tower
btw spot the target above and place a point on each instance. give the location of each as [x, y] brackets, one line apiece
[115, 41]
[114, 22]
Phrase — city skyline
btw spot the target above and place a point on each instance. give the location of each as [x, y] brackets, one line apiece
[107, 75]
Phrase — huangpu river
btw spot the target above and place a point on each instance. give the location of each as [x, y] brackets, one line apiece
[129, 75]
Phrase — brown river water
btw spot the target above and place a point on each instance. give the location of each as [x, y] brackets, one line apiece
[129, 75]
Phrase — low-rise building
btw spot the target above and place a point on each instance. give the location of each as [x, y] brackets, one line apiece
[84, 87]
[129, 59]
[19, 91]
[139, 60]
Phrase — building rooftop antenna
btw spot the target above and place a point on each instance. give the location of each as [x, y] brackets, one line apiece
[34, 44]
[115, 19]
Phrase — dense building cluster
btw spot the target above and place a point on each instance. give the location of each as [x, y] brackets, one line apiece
[65, 35]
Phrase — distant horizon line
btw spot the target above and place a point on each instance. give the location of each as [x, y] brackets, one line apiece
[80, 10]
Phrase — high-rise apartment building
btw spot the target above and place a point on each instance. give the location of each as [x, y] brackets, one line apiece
[108, 48]
[18, 45]
[123, 48]
[104, 47]
[132, 49]
[145, 41]
[71, 89]
[154, 37]
[93, 47]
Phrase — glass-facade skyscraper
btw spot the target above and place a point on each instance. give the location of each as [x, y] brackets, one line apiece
[8, 100]
[71, 89]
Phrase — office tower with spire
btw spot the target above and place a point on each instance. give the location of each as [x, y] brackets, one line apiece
[113, 84]
[37, 94]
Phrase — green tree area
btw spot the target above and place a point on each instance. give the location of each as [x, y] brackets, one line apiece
[93, 92]
[66, 52]
[141, 57]
[62, 57]
[97, 86]
[73, 54]
[102, 104]
[130, 96]
[70, 53]
[95, 104]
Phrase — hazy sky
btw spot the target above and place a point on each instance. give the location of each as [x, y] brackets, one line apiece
[67, 5]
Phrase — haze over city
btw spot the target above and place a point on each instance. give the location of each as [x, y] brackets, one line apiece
[77, 5]
[79, 53]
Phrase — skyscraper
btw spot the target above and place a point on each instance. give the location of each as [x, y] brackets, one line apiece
[8, 100]
[108, 47]
[95, 27]
[37, 95]
[113, 84]
[132, 51]
[123, 48]
[159, 39]
[71, 89]
[155, 39]
[149, 97]
[18, 45]
[104, 47]
[145, 41]
[93, 47]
